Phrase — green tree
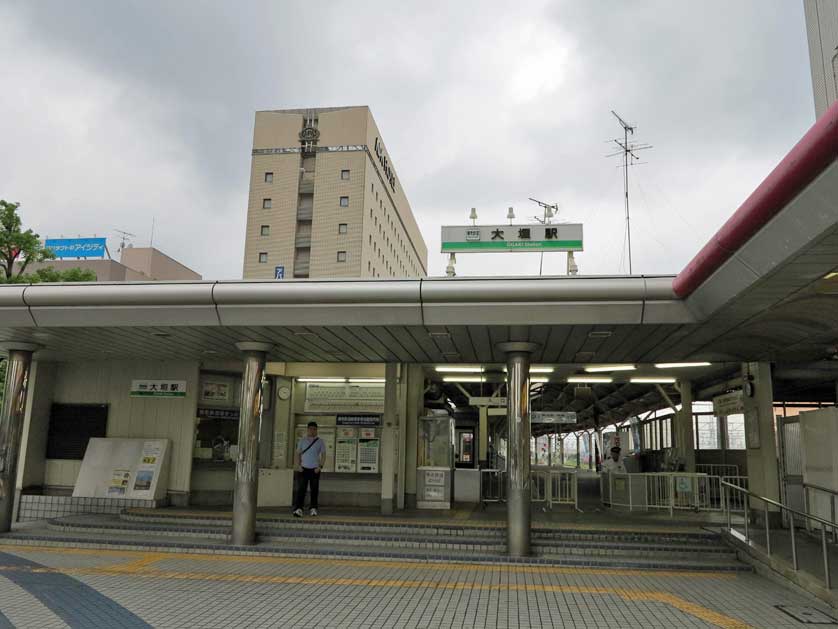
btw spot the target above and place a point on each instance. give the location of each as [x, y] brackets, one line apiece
[21, 248]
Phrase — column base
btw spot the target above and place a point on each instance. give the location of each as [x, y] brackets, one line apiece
[518, 522]
[386, 506]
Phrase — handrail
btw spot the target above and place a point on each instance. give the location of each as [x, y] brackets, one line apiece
[819, 488]
[780, 504]
[809, 517]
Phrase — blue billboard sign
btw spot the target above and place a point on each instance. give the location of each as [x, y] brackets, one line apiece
[77, 247]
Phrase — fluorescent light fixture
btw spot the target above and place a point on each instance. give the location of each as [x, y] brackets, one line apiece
[598, 368]
[462, 379]
[829, 276]
[459, 369]
[333, 380]
[680, 365]
[538, 369]
[367, 380]
[656, 380]
[537, 379]
[591, 379]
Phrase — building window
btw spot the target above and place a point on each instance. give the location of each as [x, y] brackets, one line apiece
[71, 426]
[265, 230]
[269, 177]
[707, 432]
[341, 256]
[266, 204]
[343, 228]
[344, 201]
[263, 257]
[344, 174]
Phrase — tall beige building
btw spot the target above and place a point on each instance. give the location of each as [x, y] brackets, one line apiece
[822, 32]
[325, 200]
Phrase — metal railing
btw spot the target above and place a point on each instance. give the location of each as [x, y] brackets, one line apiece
[551, 486]
[717, 469]
[492, 486]
[731, 489]
[563, 488]
[809, 503]
[670, 491]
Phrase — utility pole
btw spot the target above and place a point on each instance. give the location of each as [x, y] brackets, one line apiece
[627, 150]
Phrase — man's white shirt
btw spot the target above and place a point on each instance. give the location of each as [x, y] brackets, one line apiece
[614, 467]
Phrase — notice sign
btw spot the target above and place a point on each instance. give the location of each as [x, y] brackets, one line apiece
[487, 401]
[158, 388]
[435, 477]
[119, 483]
[358, 420]
[728, 404]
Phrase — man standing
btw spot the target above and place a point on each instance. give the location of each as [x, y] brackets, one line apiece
[308, 461]
[614, 465]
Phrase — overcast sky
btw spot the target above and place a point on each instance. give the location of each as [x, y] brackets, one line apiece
[114, 112]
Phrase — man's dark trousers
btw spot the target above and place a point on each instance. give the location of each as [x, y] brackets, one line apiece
[308, 477]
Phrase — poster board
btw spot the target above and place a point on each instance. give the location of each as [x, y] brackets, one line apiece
[124, 468]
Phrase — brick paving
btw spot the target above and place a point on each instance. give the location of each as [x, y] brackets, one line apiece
[57, 587]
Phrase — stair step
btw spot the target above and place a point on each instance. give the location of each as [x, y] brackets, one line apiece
[311, 526]
[82, 538]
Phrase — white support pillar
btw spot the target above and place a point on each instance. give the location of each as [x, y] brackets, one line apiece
[11, 425]
[760, 440]
[388, 438]
[247, 463]
[683, 428]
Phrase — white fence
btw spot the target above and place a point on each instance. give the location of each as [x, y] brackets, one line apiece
[547, 485]
[670, 491]
[717, 469]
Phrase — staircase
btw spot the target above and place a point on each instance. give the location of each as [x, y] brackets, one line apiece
[690, 549]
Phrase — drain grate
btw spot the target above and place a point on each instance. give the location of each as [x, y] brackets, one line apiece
[807, 615]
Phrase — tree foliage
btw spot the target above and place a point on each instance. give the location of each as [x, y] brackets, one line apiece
[21, 248]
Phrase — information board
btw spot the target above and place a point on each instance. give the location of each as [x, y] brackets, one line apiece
[124, 468]
[344, 398]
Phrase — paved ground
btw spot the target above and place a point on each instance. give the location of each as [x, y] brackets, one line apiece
[89, 587]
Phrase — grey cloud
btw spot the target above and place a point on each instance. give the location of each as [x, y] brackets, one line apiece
[481, 104]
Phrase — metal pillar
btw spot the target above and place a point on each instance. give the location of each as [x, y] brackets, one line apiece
[11, 425]
[518, 449]
[247, 461]
[388, 442]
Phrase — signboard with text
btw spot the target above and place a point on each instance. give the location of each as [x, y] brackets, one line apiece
[503, 238]
[77, 247]
[548, 417]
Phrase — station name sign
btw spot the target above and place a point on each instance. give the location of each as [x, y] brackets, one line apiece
[503, 238]
[546, 417]
[389, 175]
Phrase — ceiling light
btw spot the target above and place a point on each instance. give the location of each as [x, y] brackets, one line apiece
[597, 368]
[368, 380]
[462, 379]
[680, 365]
[321, 379]
[538, 369]
[829, 276]
[592, 379]
[600, 334]
[161, 334]
[657, 380]
[537, 379]
[459, 369]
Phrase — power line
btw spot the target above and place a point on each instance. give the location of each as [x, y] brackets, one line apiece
[627, 150]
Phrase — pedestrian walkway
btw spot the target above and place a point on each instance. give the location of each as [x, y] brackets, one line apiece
[81, 587]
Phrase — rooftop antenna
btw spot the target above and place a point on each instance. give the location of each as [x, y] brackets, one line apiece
[151, 242]
[627, 150]
[551, 210]
[125, 239]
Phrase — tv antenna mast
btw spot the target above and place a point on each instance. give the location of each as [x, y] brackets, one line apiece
[630, 158]
[551, 210]
[125, 239]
